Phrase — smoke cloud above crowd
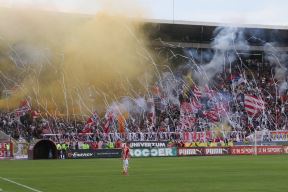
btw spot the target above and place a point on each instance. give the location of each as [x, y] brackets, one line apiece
[65, 63]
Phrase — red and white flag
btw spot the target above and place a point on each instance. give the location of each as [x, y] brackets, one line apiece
[92, 120]
[212, 115]
[197, 92]
[253, 105]
[24, 108]
[209, 92]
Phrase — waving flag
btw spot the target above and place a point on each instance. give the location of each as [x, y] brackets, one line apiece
[209, 92]
[253, 105]
[24, 108]
[93, 120]
[197, 92]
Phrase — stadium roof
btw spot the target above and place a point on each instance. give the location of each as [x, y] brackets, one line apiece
[200, 34]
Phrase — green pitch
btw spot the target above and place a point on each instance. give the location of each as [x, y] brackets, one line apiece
[191, 174]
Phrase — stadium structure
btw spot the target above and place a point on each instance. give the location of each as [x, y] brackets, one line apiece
[172, 39]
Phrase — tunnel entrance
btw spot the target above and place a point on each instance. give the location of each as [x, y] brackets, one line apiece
[45, 149]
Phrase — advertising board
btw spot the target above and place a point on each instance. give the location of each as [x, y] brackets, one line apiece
[242, 150]
[89, 153]
[108, 153]
[195, 151]
[211, 151]
[153, 152]
[261, 150]
[269, 150]
[148, 144]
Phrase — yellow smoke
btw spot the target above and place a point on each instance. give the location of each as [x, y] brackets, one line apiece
[71, 64]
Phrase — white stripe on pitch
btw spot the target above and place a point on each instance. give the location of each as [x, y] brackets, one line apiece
[19, 184]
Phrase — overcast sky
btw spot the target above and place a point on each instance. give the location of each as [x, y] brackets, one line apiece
[270, 12]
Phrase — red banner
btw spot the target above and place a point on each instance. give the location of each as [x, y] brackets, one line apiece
[242, 150]
[269, 150]
[261, 150]
[197, 136]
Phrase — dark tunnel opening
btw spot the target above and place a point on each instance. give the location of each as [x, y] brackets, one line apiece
[45, 149]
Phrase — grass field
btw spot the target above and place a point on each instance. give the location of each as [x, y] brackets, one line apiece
[229, 173]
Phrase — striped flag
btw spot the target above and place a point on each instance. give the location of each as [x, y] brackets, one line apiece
[197, 92]
[253, 105]
[24, 108]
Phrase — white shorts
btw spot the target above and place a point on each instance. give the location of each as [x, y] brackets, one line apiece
[125, 162]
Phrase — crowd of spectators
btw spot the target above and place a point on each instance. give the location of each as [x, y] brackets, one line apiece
[218, 105]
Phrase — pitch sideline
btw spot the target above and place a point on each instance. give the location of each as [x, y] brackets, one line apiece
[21, 185]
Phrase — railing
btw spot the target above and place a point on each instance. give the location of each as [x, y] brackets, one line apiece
[152, 136]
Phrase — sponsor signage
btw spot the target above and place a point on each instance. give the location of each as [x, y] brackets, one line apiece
[80, 154]
[285, 149]
[211, 151]
[242, 150]
[279, 135]
[89, 153]
[148, 144]
[108, 153]
[261, 150]
[153, 152]
[190, 151]
[269, 150]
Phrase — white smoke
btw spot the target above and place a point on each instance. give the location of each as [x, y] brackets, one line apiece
[278, 61]
[228, 39]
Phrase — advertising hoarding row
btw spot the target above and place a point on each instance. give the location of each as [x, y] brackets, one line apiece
[237, 150]
[203, 151]
[90, 153]
[173, 152]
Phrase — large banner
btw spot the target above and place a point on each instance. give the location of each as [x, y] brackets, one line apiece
[261, 150]
[153, 152]
[197, 136]
[279, 135]
[148, 144]
[212, 151]
[89, 153]
[195, 151]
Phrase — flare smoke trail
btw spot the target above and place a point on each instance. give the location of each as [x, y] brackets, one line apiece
[71, 63]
